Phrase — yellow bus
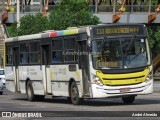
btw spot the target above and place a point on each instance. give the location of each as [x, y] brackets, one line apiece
[99, 61]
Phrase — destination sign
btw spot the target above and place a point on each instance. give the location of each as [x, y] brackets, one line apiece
[118, 30]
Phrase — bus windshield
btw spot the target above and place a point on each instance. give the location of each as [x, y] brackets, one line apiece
[120, 53]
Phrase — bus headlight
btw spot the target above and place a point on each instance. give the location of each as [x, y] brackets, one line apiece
[149, 76]
[96, 80]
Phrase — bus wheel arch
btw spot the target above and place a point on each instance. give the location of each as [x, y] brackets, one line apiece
[69, 86]
[74, 92]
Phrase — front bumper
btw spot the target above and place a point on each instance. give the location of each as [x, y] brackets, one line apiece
[115, 91]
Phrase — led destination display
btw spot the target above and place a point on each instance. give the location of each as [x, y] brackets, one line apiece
[119, 30]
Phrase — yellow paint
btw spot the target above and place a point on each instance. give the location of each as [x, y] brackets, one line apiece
[125, 76]
[78, 75]
[51, 75]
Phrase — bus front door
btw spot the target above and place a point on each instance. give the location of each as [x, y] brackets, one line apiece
[84, 66]
[46, 68]
[15, 67]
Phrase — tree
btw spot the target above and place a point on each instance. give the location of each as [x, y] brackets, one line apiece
[75, 13]
[68, 13]
[32, 24]
[154, 41]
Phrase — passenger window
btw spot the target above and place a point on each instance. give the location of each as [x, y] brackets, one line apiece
[8, 55]
[70, 50]
[57, 46]
[24, 56]
[34, 53]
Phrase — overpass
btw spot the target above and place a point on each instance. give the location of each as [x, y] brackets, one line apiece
[132, 13]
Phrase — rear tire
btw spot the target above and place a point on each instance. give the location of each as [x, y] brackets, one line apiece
[74, 94]
[1, 93]
[128, 99]
[30, 93]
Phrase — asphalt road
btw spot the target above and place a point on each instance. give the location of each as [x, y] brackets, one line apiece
[59, 108]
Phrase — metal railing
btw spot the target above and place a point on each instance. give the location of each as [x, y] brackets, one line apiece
[94, 9]
[128, 8]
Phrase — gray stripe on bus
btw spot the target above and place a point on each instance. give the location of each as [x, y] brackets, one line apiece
[45, 35]
[15, 39]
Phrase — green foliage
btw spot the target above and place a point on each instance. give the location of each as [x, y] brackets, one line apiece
[68, 13]
[32, 24]
[157, 41]
[71, 13]
[12, 30]
[154, 38]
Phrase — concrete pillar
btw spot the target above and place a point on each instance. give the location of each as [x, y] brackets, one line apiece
[18, 13]
[41, 6]
[31, 2]
[114, 7]
[2, 38]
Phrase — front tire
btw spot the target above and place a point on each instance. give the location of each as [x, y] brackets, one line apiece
[30, 93]
[128, 99]
[74, 94]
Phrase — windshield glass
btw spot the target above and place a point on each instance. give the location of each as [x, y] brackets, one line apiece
[1, 72]
[119, 53]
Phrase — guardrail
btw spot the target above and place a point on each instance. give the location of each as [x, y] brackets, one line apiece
[94, 9]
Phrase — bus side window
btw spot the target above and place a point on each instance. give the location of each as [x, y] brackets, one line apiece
[54, 57]
[57, 50]
[21, 59]
[24, 50]
[8, 55]
[70, 49]
[34, 52]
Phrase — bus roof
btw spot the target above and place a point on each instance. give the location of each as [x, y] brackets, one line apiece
[47, 34]
[70, 31]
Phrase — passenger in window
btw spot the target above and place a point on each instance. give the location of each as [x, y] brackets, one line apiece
[39, 57]
[54, 58]
[21, 58]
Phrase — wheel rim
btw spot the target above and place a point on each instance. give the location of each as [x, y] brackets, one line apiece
[74, 93]
[29, 92]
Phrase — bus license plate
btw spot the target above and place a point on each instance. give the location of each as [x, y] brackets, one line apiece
[125, 89]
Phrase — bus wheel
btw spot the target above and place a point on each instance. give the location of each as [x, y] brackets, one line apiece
[30, 94]
[128, 99]
[1, 93]
[74, 94]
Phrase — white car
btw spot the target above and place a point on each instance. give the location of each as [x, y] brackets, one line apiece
[2, 81]
[2, 76]
[1, 87]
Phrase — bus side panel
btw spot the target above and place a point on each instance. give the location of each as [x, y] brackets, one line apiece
[60, 86]
[46, 75]
[22, 79]
[34, 74]
[10, 78]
